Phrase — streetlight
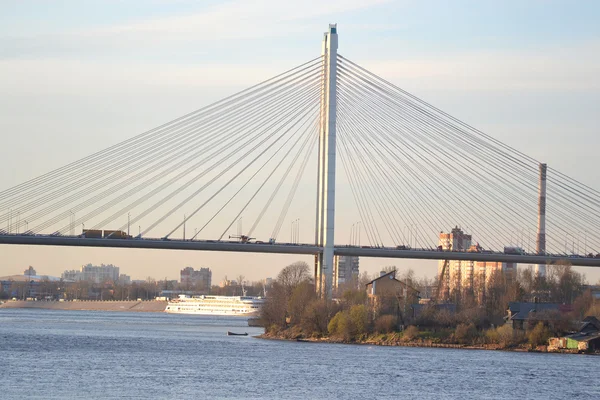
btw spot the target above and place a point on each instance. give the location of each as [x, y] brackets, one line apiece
[411, 235]
[567, 241]
[293, 230]
[71, 222]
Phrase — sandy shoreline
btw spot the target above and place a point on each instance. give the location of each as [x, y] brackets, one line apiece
[125, 305]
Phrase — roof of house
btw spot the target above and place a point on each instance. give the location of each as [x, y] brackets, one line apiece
[524, 311]
[590, 323]
[393, 273]
[584, 337]
[393, 276]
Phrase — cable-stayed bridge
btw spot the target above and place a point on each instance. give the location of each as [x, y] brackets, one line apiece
[407, 172]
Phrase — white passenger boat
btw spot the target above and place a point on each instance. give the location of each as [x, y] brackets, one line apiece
[216, 305]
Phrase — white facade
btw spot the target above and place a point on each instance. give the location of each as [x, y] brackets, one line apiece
[464, 276]
[346, 270]
[92, 273]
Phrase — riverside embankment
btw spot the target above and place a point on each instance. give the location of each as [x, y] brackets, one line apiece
[396, 340]
[381, 340]
[125, 305]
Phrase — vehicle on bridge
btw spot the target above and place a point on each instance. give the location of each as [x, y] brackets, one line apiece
[108, 234]
[92, 233]
[514, 250]
[242, 238]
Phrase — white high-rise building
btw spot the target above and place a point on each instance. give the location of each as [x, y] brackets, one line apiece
[93, 273]
[468, 276]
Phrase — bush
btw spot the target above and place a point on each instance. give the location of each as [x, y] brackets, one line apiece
[359, 319]
[386, 324]
[353, 297]
[464, 333]
[347, 325]
[410, 333]
[492, 336]
[505, 336]
[332, 326]
[539, 335]
[340, 326]
[315, 317]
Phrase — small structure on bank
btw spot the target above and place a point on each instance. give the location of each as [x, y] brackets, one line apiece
[586, 340]
[519, 314]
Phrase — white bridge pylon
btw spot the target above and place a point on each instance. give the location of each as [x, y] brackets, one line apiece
[325, 221]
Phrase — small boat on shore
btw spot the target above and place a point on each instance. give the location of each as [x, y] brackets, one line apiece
[236, 334]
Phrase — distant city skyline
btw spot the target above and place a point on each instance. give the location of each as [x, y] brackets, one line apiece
[524, 73]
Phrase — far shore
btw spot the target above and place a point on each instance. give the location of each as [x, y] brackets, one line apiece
[89, 305]
[373, 341]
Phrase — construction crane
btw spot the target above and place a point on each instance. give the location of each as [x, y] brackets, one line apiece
[441, 279]
[242, 238]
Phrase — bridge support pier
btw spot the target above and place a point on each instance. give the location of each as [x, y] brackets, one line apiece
[325, 218]
[540, 269]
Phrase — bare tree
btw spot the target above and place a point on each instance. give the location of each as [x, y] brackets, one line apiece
[363, 279]
[389, 268]
[293, 275]
[302, 295]
[241, 279]
[273, 313]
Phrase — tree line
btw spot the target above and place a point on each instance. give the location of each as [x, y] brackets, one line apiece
[293, 310]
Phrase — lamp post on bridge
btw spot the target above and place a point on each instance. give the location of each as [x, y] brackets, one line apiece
[567, 242]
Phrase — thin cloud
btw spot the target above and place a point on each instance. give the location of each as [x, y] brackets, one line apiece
[556, 69]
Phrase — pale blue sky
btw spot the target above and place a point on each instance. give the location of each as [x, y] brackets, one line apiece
[79, 75]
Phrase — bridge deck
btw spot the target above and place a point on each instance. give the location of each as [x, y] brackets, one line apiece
[290, 248]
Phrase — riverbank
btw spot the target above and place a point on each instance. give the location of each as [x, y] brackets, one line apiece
[394, 339]
[125, 305]
[378, 341]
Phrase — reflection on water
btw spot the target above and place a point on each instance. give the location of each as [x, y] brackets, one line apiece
[82, 354]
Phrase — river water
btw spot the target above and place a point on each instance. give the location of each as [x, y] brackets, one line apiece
[47, 354]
